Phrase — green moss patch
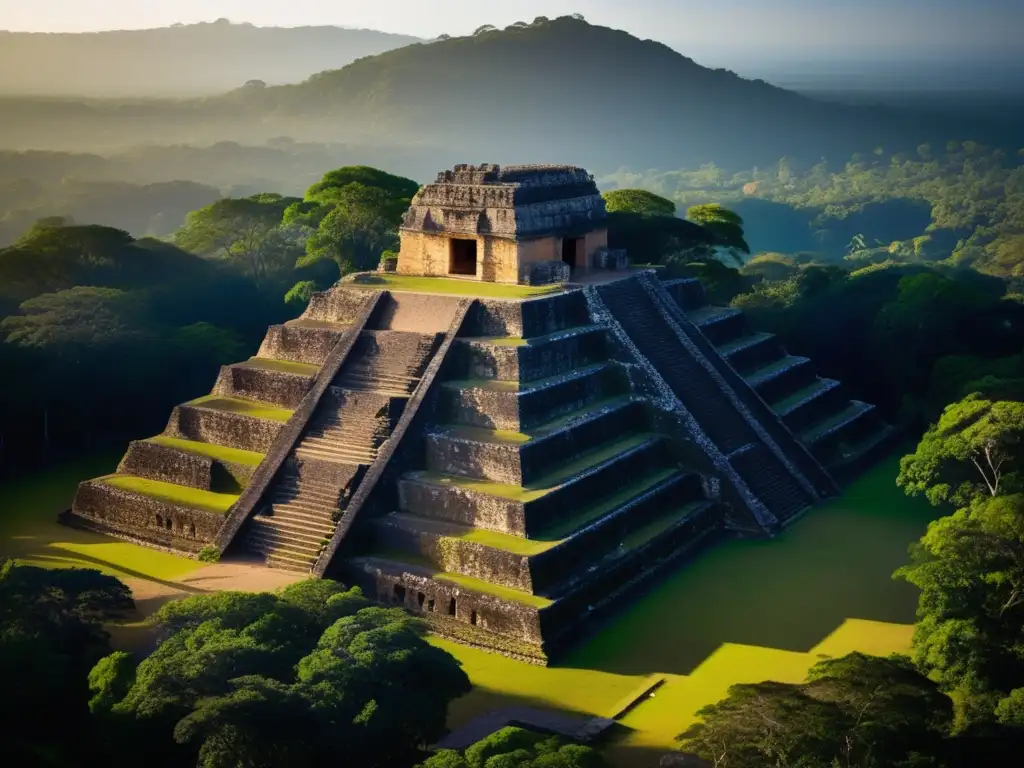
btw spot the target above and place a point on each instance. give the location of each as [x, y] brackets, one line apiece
[281, 366]
[251, 408]
[466, 582]
[305, 322]
[180, 495]
[654, 529]
[491, 385]
[565, 528]
[533, 341]
[217, 452]
[446, 285]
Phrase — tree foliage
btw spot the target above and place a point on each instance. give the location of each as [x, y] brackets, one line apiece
[638, 201]
[513, 747]
[857, 710]
[969, 636]
[51, 633]
[973, 452]
[294, 678]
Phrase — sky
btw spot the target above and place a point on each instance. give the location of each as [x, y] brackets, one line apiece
[726, 29]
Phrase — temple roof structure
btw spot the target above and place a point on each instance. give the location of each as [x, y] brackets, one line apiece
[516, 202]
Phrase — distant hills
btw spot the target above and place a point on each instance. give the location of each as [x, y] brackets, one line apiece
[559, 91]
[180, 60]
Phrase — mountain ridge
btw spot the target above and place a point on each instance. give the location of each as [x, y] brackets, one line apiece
[182, 59]
[557, 90]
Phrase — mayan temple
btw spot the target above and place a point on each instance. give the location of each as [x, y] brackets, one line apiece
[508, 468]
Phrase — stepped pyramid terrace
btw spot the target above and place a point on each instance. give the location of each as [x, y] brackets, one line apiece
[509, 468]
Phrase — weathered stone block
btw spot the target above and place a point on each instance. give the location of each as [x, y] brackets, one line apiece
[543, 272]
[466, 454]
[337, 305]
[425, 496]
[264, 385]
[175, 465]
[551, 355]
[529, 318]
[498, 407]
[233, 430]
[300, 343]
[611, 258]
[146, 518]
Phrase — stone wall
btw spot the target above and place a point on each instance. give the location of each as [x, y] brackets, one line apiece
[232, 430]
[146, 518]
[172, 465]
[298, 343]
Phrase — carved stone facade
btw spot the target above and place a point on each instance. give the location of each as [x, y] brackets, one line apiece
[493, 224]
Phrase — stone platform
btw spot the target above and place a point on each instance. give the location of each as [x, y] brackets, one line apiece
[510, 470]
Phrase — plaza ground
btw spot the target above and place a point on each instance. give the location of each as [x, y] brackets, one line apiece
[743, 611]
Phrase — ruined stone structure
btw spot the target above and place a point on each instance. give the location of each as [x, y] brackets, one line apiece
[508, 469]
[528, 224]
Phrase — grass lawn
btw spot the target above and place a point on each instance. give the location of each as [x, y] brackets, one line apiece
[447, 285]
[744, 611]
[29, 531]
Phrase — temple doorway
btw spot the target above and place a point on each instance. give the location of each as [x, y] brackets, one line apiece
[571, 249]
[462, 257]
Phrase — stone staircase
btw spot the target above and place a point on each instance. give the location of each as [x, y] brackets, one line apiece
[544, 494]
[774, 481]
[175, 490]
[353, 420]
[844, 435]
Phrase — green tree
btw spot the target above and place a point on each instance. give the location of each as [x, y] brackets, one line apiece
[294, 678]
[244, 231]
[513, 747]
[969, 636]
[355, 230]
[857, 710]
[973, 452]
[638, 201]
[51, 634]
[725, 228]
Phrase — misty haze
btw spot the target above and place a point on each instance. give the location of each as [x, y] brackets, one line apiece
[545, 385]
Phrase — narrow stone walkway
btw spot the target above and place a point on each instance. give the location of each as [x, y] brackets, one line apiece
[574, 727]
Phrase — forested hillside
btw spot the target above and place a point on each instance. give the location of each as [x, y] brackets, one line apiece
[557, 90]
[185, 59]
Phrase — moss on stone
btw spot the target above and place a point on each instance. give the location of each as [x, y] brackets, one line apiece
[565, 528]
[253, 408]
[450, 286]
[656, 527]
[180, 495]
[281, 366]
[491, 385]
[466, 582]
[217, 452]
[545, 484]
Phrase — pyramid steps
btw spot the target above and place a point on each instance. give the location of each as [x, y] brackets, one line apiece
[525, 360]
[535, 565]
[509, 405]
[228, 421]
[519, 458]
[523, 511]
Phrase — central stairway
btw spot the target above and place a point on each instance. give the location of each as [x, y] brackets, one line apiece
[354, 418]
